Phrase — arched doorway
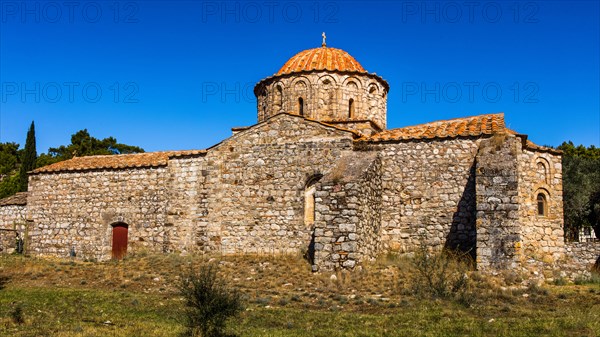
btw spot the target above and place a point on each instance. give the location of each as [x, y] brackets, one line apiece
[119, 240]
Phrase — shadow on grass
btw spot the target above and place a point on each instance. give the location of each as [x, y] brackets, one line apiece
[3, 281]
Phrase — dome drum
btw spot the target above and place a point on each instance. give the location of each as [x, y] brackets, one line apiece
[328, 85]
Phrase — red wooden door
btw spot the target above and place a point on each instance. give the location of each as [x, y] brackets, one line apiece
[119, 241]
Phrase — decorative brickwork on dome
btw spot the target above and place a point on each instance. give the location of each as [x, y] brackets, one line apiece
[327, 85]
[323, 58]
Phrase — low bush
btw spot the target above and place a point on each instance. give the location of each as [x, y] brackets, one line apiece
[17, 314]
[3, 281]
[209, 302]
[440, 274]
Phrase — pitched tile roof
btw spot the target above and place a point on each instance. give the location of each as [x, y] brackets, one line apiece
[17, 199]
[320, 59]
[323, 58]
[460, 127]
[532, 146]
[149, 159]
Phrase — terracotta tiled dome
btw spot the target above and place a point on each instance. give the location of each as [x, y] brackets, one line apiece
[323, 58]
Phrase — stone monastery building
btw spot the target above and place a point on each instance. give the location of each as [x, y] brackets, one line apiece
[319, 174]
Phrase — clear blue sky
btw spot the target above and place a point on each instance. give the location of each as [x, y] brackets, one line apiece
[167, 75]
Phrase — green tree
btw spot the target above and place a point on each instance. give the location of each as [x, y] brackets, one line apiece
[9, 185]
[15, 163]
[9, 169]
[581, 188]
[28, 159]
[83, 144]
[9, 157]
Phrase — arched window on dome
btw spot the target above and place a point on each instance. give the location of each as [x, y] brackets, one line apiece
[262, 103]
[351, 108]
[301, 106]
[372, 89]
[278, 104]
[542, 205]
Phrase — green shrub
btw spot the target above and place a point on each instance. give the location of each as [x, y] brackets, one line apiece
[17, 314]
[440, 274]
[3, 281]
[209, 302]
[560, 281]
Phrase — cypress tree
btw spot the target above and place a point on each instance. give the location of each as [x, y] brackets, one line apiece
[29, 158]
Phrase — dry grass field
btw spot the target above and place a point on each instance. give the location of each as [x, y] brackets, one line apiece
[138, 297]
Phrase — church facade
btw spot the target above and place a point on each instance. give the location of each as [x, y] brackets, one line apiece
[318, 174]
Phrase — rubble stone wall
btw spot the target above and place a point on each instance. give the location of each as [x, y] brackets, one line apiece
[348, 213]
[185, 227]
[428, 194]
[499, 231]
[247, 194]
[254, 185]
[12, 219]
[583, 255]
[540, 173]
[76, 210]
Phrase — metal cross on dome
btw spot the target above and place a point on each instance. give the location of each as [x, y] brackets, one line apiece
[324, 37]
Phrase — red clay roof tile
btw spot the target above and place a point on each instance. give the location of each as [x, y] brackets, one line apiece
[323, 58]
[17, 199]
[149, 159]
[459, 127]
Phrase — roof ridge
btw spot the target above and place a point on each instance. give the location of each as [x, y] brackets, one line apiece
[126, 160]
[500, 114]
[470, 126]
[133, 154]
[19, 199]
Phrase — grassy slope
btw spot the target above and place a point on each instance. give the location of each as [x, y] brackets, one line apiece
[138, 297]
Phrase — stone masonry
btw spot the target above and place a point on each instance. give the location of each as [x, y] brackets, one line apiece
[318, 175]
[428, 193]
[356, 101]
[12, 221]
[499, 238]
[348, 213]
[583, 255]
[76, 210]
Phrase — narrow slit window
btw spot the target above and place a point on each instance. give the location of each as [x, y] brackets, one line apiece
[351, 108]
[309, 200]
[278, 104]
[300, 106]
[309, 205]
[542, 205]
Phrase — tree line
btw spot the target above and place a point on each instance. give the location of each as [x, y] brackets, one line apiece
[581, 172]
[581, 188]
[15, 162]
